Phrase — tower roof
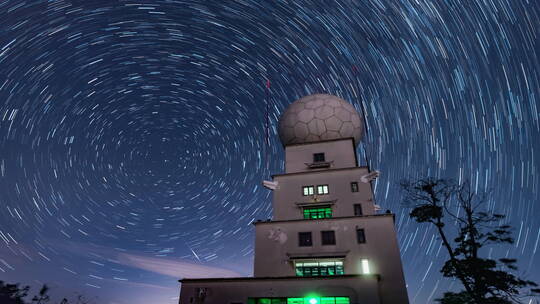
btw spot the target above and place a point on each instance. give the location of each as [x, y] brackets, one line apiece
[319, 117]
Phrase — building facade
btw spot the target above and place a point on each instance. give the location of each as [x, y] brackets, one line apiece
[326, 243]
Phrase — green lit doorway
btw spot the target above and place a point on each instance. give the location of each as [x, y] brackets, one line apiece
[304, 300]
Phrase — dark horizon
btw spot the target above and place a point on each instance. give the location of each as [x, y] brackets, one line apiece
[132, 135]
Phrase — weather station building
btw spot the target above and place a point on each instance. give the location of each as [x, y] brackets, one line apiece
[326, 243]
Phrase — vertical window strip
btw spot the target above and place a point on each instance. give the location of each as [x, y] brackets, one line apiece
[360, 236]
[365, 266]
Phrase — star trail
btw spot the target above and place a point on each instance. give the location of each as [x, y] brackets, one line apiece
[132, 134]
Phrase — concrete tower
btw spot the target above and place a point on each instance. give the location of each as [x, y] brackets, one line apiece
[326, 244]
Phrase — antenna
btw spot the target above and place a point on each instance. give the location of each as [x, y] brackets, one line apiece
[267, 125]
[362, 107]
[271, 185]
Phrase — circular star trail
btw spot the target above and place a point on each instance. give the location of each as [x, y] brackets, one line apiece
[133, 133]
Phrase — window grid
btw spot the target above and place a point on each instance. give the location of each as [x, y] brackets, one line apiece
[322, 189]
[319, 268]
[304, 239]
[306, 300]
[325, 300]
[360, 236]
[317, 212]
[328, 237]
[354, 186]
[357, 209]
[308, 190]
[318, 157]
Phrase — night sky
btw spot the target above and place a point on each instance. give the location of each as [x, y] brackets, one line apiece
[132, 133]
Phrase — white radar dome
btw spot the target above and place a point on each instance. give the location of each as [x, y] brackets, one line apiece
[320, 117]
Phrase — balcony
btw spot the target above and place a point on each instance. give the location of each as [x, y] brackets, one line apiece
[320, 164]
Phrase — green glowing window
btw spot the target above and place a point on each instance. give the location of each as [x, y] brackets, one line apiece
[317, 212]
[315, 299]
[319, 300]
[318, 268]
[342, 300]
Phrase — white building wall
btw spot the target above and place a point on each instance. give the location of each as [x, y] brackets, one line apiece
[340, 153]
[289, 192]
[277, 242]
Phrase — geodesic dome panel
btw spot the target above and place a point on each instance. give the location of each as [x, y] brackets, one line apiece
[319, 117]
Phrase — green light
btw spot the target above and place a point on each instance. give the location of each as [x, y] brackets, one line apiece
[316, 299]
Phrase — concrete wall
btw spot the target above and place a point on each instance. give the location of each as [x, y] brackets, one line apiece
[289, 192]
[359, 289]
[275, 242]
[341, 153]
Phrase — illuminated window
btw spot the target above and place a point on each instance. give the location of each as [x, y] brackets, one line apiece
[322, 189]
[308, 190]
[316, 268]
[354, 186]
[317, 300]
[317, 212]
[357, 209]
[304, 239]
[342, 300]
[307, 300]
[360, 236]
[328, 237]
[365, 266]
[318, 157]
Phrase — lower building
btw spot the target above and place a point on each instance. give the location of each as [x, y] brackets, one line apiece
[344, 289]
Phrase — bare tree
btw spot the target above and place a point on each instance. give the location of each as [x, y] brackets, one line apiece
[485, 280]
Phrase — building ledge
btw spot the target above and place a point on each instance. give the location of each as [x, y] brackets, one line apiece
[291, 278]
[319, 165]
[321, 141]
[320, 171]
[317, 255]
[315, 204]
[258, 222]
